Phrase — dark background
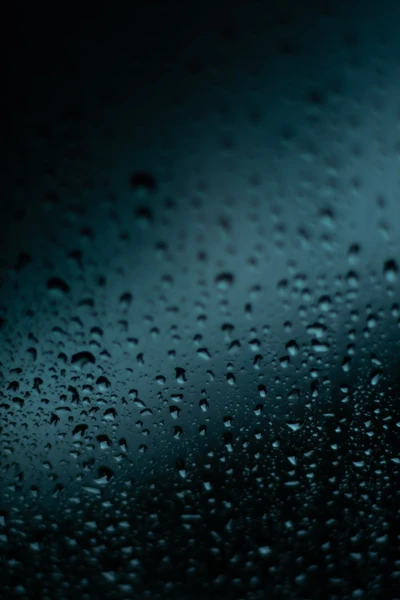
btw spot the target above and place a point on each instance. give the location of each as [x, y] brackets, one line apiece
[200, 210]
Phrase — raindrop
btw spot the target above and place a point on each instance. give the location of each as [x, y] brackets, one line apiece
[292, 348]
[375, 377]
[294, 426]
[57, 287]
[230, 378]
[83, 358]
[390, 270]
[224, 281]
[174, 411]
[143, 181]
[125, 301]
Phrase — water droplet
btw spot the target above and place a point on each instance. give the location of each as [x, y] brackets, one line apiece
[292, 348]
[57, 287]
[262, 390]
[353, 254]
[174, 411]
[230, 378]
[324, 303]
[264, 551]
[224, 281]
[81, 359]
[375, 377]
[294, 426]
[203, 404]
[125, 301]
[143, 182]
[390, 270]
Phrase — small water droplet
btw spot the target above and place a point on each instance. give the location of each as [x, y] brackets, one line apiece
[224, 281]
[376, 375]
[58, 288]
[390, 270]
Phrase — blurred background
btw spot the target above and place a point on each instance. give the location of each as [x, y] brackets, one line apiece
[199, 301]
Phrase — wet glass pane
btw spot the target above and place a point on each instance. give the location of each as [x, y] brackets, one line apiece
[199, 302]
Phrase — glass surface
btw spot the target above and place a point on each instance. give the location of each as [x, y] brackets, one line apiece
[199, 303]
